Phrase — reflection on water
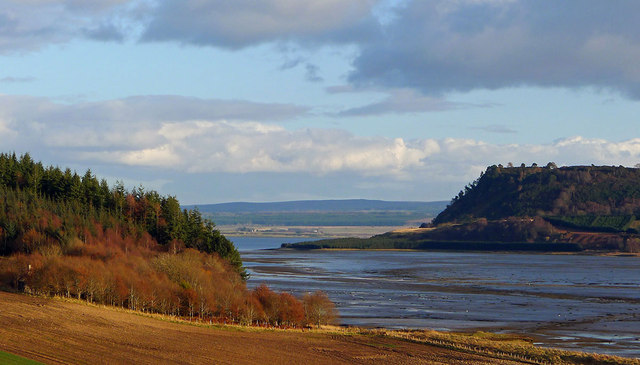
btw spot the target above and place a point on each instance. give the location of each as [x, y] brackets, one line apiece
[591, 303]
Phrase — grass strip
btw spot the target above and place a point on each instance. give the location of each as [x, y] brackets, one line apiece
[11, 359]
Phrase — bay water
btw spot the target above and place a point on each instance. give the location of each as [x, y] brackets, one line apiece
[580, 302]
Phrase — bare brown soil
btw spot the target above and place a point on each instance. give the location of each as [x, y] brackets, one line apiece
[56, 331]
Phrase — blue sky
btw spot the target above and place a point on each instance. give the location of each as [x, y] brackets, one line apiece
[268, 100]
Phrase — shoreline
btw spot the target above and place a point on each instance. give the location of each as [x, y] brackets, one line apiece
[577, 253]
[434, 296]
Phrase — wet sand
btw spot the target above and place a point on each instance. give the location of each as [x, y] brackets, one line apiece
[587, 303]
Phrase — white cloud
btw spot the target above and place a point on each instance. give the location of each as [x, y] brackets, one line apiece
[132, 122]
[244, 147]
[162, 156]
[5, 131]
[241, 147]
[124, 133]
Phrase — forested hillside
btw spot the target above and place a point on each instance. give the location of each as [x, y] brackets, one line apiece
[343, 205]
[545, 209]
[75, 236]
[601, 192]
[48, 207]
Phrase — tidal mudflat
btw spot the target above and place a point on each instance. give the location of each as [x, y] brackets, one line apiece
[579, 302]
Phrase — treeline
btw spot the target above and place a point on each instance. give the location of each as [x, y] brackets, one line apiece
[66, 235]
[502, 192]
[45, 206]
[188, 284]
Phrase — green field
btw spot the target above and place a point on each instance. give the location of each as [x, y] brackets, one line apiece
[11, 359]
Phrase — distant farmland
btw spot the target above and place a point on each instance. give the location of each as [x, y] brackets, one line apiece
[322, 213]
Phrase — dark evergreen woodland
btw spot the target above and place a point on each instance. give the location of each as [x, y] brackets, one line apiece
[591, 191]
[45, 206]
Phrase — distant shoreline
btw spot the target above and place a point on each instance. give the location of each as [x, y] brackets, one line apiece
[402, 243]
[391, 243]
[585, 252]
[321, 232]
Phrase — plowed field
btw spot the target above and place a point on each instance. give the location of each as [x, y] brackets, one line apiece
[55, 331]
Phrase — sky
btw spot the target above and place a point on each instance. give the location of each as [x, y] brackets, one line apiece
[268, 100]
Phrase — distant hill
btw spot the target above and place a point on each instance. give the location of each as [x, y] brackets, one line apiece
[350, 212]
[347, 205]
[575, 191]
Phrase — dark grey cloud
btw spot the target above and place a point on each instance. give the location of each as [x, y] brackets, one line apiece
[496, 128]
[242, 23]
[291, 63]
[400, 101]
[442, 46]
[18, 32]
[30, 25]
[106, 32]
[152, 108]
[313, 73]
[434, 46]
[171, 107]
[13, 79]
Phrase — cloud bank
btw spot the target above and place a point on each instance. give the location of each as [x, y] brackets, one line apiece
[435, 46]
[30, 25]
[241, 147]
[442, 46]
[131, 132]
[241, 23]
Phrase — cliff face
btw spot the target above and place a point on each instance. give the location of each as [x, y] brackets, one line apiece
[502, 192]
